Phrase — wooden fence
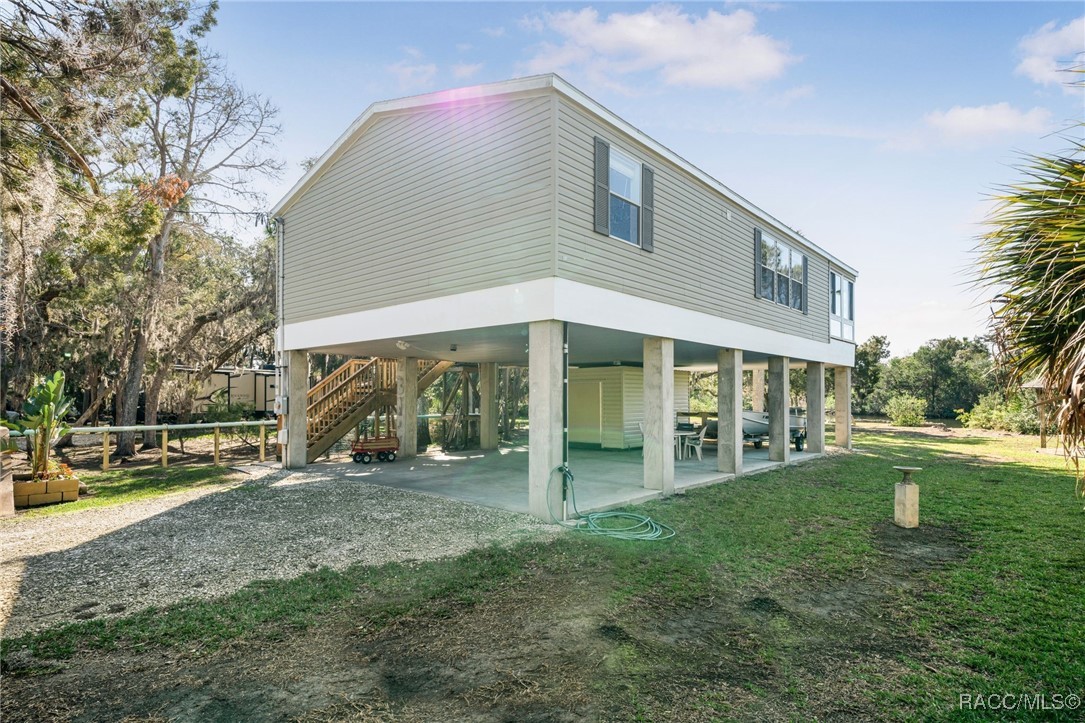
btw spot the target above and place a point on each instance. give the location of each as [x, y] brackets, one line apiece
[164, 430]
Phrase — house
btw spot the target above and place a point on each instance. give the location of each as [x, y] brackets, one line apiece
[522, 223]
[251, 387]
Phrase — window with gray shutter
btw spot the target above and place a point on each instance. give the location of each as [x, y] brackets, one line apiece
[624, 197]
[757, 262]
[648, 210]
[602, 186]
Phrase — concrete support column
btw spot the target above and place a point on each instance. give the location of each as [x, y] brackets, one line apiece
[659, 414]
[729, 408]
[545, 419]
[407, 406]
[487, 390]
[843, 407]
[297, 393]
[815, 407]
[758, 390]
[779, 409]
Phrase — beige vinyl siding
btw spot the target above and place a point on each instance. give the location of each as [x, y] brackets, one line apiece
[426, 203]
[633, 401]
[611, 380]
[702, 261]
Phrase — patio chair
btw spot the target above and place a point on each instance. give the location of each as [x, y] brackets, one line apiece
[696, 443]
[677, 441]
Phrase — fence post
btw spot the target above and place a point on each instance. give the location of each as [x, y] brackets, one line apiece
[263, 442]
[105, 451]
[165, 448]
[216, 445]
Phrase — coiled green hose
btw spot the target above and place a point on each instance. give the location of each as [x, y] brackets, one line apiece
[638, 527]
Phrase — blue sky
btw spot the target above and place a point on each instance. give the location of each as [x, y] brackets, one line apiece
[877, 129]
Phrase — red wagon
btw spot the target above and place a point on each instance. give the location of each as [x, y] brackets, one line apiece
[383, 448]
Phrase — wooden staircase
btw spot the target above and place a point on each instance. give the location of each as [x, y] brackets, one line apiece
[340, 401]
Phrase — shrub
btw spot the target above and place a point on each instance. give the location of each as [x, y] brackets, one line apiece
[1013, 414]
[905, 410]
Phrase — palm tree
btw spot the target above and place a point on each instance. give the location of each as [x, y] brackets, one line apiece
[1033, 262]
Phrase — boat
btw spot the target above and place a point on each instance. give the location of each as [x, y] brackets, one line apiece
[755, 426]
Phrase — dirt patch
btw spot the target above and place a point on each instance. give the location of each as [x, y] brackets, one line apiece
[541, 647]
[923, 547]
[505, 659]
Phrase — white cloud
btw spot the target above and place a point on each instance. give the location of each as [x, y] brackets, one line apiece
[497, 32]
[1046, 53]
[412, 76]
[969, 127]
[789, 96]
[532, 24]
[983, 122]
[463, 47]
[462, 71]
[413, 52]
[716, 50]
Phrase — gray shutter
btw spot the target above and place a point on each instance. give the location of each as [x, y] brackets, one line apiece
[602, 187]
[757, 262]
[805, 285]
[648, 208]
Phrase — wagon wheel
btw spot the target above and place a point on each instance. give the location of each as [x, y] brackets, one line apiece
[391, 457]
[358, 457]
[366, 457]
[381, 456]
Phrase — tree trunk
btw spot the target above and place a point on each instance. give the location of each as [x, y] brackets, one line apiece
[129, 407]
[150, 406]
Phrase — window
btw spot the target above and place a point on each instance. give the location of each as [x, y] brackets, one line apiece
[841, 307]
[781, 273]
[624, 205]
[625, 177]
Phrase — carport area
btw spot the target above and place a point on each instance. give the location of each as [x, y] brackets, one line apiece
[621, 443]
[604, 479]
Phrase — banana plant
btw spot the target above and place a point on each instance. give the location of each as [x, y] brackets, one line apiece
[43, 420]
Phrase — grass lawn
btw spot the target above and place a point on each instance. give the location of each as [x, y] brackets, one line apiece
[785, 595]
[118, 486]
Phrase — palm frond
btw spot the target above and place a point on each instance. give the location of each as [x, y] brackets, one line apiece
[1033, 262]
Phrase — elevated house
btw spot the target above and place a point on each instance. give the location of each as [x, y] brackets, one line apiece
[508, 223]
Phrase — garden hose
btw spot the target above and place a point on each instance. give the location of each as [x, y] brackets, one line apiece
[637, 527]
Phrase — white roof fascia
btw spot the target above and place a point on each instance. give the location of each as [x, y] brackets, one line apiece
[564, 88]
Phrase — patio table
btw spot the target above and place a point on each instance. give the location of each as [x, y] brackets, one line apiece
[680, 442]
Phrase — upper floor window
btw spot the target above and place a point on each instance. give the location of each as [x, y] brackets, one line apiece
[781, 272]
[841, 307]
[624, 197]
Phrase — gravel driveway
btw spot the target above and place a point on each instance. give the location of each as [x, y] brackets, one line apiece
[107, 561]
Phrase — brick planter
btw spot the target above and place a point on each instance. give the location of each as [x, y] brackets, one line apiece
[32, 494]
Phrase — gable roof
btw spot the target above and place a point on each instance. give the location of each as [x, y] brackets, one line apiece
[520, 85]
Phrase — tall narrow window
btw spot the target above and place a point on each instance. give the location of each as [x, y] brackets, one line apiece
[841, 307]
[625, 177]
